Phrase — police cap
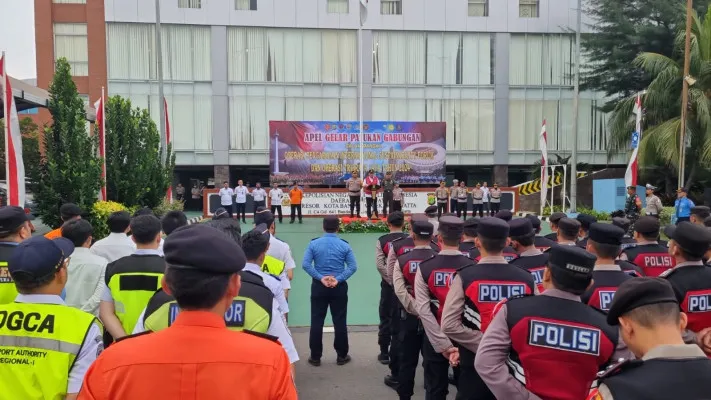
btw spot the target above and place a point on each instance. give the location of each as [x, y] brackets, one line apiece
[506, 215]
[707, 221]
[69, 210]
[419, 217]
[451, 227]
[647, 225]
[692, 238]
[422, 228]
[570, 227]
[638, 292]
[622, 222]
[263, 229]
[535, 221]
[220, 213]
[520, 227]
[493, 228]
[431, 210]
[204, 248]
[331, 223]
[38, 257]
[701, 211]
[263, 216]
[557, 216]
[606, 234]
[471, 226]
[11, 218]
[571, 260]
[586, 220]
[396, 218]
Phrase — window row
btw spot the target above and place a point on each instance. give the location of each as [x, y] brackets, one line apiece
[70, 42]
[542, 60]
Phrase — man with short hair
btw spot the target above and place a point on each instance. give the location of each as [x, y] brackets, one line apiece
[486, 199]
[241, 193]
[276, 195]
[67, 212]
[648, 254]
[388, 195]
[226, 197]
[354, 185]
[279, 261]
[453, 191]
[553, 222]
[585, 221]
[171, 221]
[296, 196]
[14, 229]
[86, 270]
[52, 345]
[477, 201]
[442, 195]
[259, 196]
[255, 244]
[682, 206]
[495, 205]
[654, 205]
[462, 199]
[699, 214]
[117, 244]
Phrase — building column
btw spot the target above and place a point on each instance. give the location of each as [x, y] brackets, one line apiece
[222, 173]
[501, 175]
[501, 108]
[367, 76]
[220, 101]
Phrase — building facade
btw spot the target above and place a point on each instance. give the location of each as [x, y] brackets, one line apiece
[493, 70]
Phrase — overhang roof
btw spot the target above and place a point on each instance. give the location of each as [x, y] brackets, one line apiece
[26, 96]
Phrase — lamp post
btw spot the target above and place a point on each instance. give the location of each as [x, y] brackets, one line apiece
[685, 94]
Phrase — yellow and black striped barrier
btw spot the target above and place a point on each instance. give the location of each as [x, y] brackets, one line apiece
[534, 186]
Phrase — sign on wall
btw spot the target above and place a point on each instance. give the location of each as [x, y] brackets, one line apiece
[328, 152]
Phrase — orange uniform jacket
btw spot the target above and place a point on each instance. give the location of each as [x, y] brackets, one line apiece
[54, 234]
[196, 358]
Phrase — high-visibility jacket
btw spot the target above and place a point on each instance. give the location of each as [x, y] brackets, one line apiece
[273, 265]
[8, 291]
[39, 344]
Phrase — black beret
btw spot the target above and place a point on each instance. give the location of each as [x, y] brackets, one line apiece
[419, 217]
[622, 222]
[638, 292]
[504, 214]
[571, 259]
[204, 248]
[431, 210]
[263, 229]
[422, 228]
[520, 227]
[331, 222]
[701, 211]
[556, 216]
[569, 226]
[586, 220]
[471, 226]
[451, 227]
[692, 238]
[396, 218]
[535, 221]
[707, 221]
[220, 213]
[263, 216]
[11, 218]
[70, 210]
[493, 228]
[647, 225]
[606, 234]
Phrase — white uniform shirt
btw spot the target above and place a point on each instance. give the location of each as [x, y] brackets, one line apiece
[241, 194]
[277, 195]
[85, 282]
[485, 198]
[226, 196]
[272, 283]
[259, 194]
[282, 252]
[114, 246]
[91, 348]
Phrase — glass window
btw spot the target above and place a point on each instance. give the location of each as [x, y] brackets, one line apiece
[391, 7]
[399, 57]
[70, 42]
[478, 8]
[528, 8]
[541, 60]
[337, 6]
[459, 58]
[189, 3]
[248, 5]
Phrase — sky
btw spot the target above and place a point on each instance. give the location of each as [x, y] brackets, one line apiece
[17, 37]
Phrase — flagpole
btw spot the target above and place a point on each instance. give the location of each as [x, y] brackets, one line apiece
[576, 102]
[6, 125]
[685, 95]
[360, 96]
[103, 143]
[159, 74]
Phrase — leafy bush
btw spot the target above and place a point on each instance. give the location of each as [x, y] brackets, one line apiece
[100, 215]
[547, 210]
[600, 216]
[666, 217]
[367, 227]
[165, 206]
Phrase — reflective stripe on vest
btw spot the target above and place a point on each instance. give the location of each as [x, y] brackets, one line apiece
[131, 292]
[39, 344]
[273, 266]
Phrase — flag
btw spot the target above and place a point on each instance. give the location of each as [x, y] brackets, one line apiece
[363, 11]
[631, 173]
[169, 193]
[101, 124]
[14, 167]
[543, 144]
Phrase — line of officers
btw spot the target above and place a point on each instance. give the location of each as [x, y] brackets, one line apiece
[585, 311]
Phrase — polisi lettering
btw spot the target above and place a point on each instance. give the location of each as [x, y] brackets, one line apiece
[414, 265]
[537, 274]
[443, 279]
[234, 316]
[30, 322]
[403, 250]
[494, 293]
[658, 261]
[564, 337]
[509, 257]
[605, 297]
[699, 303]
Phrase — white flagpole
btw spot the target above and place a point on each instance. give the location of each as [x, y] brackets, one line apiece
[6, 126]
[105, 192]
[360, 97]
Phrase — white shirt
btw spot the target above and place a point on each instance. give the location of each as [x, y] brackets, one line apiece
[114, 246]
[486, 193]
[272, 283]
[85, 281]
[241, 194]
[259, 194]
[91, 348]
[106, 295]
[160, 248]
[226, 196]
[276, 195]
[282, 252]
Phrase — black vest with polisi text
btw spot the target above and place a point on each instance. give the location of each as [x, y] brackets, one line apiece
[557, 345]
[692, 284]
[406, 243]
[386, 241]
[652, 258]
[605, 284]
[508, 253]
[409, 263]
[535, 265]
[629, 268]
[438, 273]
[543, 243]
[467, 247]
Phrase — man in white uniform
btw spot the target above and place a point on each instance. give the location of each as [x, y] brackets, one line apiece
[277, 248]
[118, 244]
[226, 194]
[258, 195]
[276, 195]
[241, 192]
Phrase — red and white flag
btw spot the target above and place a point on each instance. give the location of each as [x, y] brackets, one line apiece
[543, 144]
[363, 11]
[100, 122]
[14, 166]
[631, 173]
[169, 193]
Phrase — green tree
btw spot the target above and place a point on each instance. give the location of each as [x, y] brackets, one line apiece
[135, 174]
[624, 29]
[662, 103]
[30, 152]
[70, 170]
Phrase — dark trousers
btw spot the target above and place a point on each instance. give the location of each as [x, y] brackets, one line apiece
[495, 207]
[478, 208]
[441, 208]
[436, 372]
[411, 337]
[470, 386]
[241, 210]
[228, 209]
[453, 206]
[371, 204]
[682, 219]
[388, 205]
[321, 299]
[258, 204]
[462, 209]
[355, 205]
[277, 210]
[487, 208]
[395, 344]
[397, 205]
[385, 313]
[295, 208]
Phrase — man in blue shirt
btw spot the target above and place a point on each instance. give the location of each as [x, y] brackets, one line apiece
[330, 261]
[682, 206]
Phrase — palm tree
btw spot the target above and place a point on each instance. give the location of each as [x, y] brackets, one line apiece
[662, 106]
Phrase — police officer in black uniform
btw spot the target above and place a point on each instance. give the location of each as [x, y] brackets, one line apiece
[509, 253]
[553, 221]
[604, 242]
[647, 311]
[568, 230]
[14, 228]
[585, 221]
[648, 254]
[530, 258]
[624, 223]
[468, 236]
[541, 243]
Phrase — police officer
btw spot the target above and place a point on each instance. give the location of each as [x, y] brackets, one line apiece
[495, 204]
[354, 184]
[388, 186]
[506, 215]
[530, 258]
[648, 254]
[541, 243]
[627, 240]
[431, 286]
[469, 233]
[585, 221]
[279, 261]
[411, 333]
[46, 346]
[568, 230]
[552, 345]
[442, 195]
[386, 307]
[475, 291]
[432, 218]
[14, 228]
[647, 312]
[699, 214]
[405, 244]
[633, 204]
[462, 199]
[553, 221]
[478, 201]
[453, 191]
[691, 279]
[604, 243]
[654, 205]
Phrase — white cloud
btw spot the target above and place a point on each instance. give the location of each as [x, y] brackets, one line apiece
[17, 37]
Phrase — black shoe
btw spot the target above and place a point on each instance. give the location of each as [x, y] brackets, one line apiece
[301, 222]
[452, 379]
[291, 222]
[384, 358]
[391, 382]
[315, 362]
[343, 360]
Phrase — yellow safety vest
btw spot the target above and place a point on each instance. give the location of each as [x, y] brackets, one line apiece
[273, 266]
[8, 291]
[39, 344]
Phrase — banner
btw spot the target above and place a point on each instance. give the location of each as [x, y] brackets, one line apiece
[328, 152]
